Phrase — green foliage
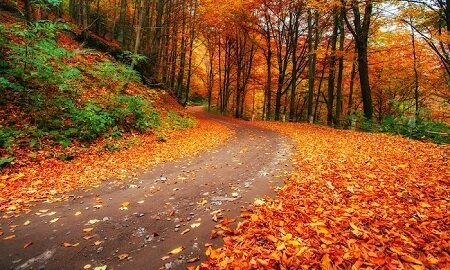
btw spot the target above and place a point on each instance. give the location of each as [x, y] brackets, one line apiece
[134, 112]
[175, 121]
[37, 61]
[420, 129]
[90, 121]
[50, 3]
[112, 147]
[5, 160]
[116, 74]
[133, 58]
[7, 136]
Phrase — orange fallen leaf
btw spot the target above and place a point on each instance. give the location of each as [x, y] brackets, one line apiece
[125, 204]
[65, 244]
[86, 230]
[9, 237]
[88, 237]
[122, 256]
[98, 243]
[185, 231]
[192, 260]
[27, 244]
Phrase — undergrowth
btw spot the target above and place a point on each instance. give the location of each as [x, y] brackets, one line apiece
[51, 96]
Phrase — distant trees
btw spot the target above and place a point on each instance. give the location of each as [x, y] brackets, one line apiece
[301, 60]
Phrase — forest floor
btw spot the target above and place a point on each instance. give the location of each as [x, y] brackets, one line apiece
[158, 218]
[351, 200]
[354, 201]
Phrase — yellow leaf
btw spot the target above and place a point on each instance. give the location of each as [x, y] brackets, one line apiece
[165, 258]
[281, 246]
[125, 204]
[301, 251]
[77, 213]
[87, 230]
[431, 259]
[65, 244]
[26, 223]
[54, 220]
[176, 250]
[185, 231]
[326, 262]
[123, 256]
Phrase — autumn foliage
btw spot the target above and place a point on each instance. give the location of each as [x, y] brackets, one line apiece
[52, 179]
[355, 201]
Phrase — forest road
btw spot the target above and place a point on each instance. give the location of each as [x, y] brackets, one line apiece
[134, 223]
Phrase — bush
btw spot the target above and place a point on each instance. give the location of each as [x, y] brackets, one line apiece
[116, 74]
[7, 136]
[420, 129]
[38, 60]
[175, 121]
[134, 112]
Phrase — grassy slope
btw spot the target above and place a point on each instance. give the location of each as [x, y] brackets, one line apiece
[60, 97]
[75, 117]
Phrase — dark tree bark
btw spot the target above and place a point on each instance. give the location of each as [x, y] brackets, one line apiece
[360, 31]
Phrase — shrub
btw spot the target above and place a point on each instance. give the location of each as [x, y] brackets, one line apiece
[134, 112]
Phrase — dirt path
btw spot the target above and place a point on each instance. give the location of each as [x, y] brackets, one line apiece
[145, 216]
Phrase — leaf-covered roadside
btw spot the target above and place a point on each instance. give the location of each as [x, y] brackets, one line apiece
[355, 201]
[52, 179]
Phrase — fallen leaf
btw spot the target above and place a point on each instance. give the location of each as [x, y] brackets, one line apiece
[125, 204]
[141, 202]
[88, 237]
[86, 230]
[103, 267]
[165, 258]
[9, 237]
[194, 259]
[195, 225]
[65, 244]
[185, 231]
[123, 256]
[26, 223]
[98, 243]
[176, 250]
[87, 266]
[54, 220]
[27, 244]
[77, 214]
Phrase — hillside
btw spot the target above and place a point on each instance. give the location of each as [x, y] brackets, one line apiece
[72, 116]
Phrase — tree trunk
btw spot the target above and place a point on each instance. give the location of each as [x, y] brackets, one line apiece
[340, 71]
[122, 20]
[332, 71]
[360, 31]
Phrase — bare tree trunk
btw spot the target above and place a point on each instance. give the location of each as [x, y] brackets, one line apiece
[332, 71]
[340, 71]
[416, 74]
[122, 20]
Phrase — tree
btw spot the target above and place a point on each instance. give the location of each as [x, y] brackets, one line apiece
[360, 31]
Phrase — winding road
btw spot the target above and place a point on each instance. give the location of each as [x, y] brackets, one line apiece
[145, 217]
